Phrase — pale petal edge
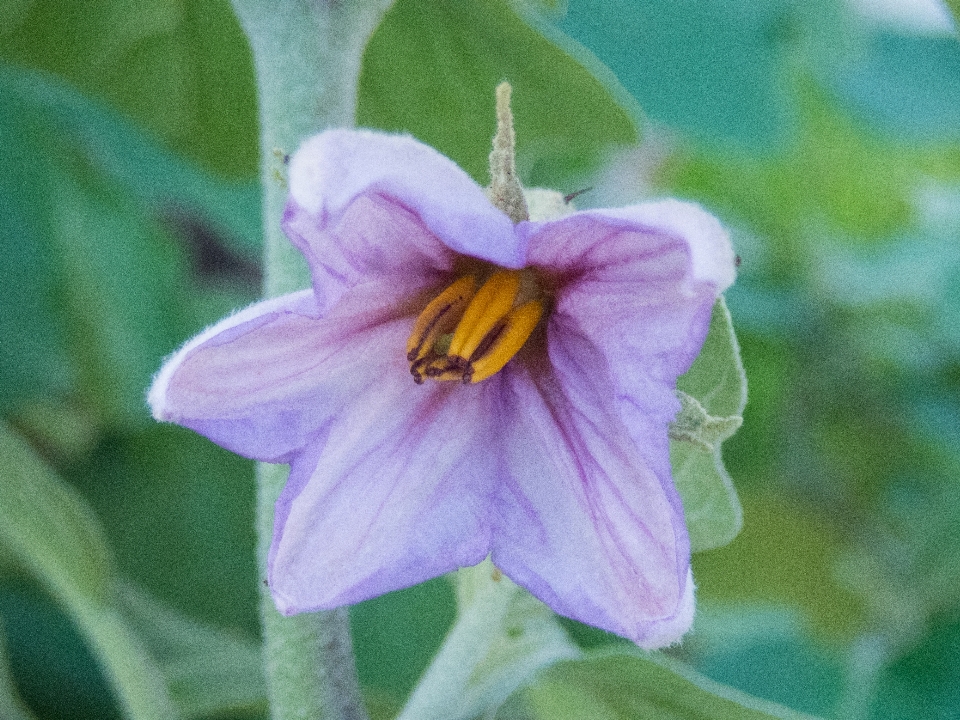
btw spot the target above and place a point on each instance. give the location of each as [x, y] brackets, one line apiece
[662, 633]
[711, 253]
[333, 168]
[302, 301]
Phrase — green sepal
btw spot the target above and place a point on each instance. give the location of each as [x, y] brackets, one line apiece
[695, 425]
[710, 503]
[716, 377]
[712, 395]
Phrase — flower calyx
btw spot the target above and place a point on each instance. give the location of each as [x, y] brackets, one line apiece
[505, 191]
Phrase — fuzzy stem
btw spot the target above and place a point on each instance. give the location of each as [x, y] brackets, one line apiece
[479, 623]
[502, 637]
[869, 655]
[307, 56]
[308, 658]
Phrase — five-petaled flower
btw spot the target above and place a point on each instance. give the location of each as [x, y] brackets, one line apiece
[457, 385]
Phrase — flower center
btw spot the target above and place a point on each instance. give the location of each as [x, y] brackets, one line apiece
[468, 334]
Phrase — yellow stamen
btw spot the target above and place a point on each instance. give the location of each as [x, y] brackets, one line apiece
[510, 337]
[488, 307]
[439, 316]
[467, 334]
[445, 368]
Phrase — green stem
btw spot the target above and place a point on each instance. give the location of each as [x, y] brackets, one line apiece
[308, 658]
[307, 56]
[479, 624]
[501, 638]
[869, 655]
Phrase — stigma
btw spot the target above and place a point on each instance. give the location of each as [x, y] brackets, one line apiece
[468, 334]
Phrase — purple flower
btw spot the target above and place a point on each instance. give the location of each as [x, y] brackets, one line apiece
[412, 452]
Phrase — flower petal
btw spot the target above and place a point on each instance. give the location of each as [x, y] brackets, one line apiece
[585, 523]
[262, 382]
[373, 239]
[367, 204]
[393, 492]
[560, 245]
[640, 283]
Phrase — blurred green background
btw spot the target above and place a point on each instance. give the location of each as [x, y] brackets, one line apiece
[826, 136]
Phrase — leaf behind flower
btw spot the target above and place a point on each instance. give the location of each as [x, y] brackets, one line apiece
[713, 393]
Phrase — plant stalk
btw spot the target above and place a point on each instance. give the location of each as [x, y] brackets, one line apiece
[307, 56]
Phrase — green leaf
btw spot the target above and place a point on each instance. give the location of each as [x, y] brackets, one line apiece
[33, 356]
[625, 685]
[124, 154]
[431, 69]
[182, 71]
[99, 293]
[11, 706]
[207, 670]
[49, 529]
[187, 507]
[135, 677]
[49, 659]
[122, 320]
[47, 526]
[715, 389]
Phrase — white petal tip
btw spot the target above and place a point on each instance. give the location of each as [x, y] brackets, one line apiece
[670, 631]
[711, 253]
[157, 396]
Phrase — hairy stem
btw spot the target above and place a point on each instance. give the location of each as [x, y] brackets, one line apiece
[307, 56]
[308, 658]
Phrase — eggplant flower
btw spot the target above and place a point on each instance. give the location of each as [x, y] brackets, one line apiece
[456, 385]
